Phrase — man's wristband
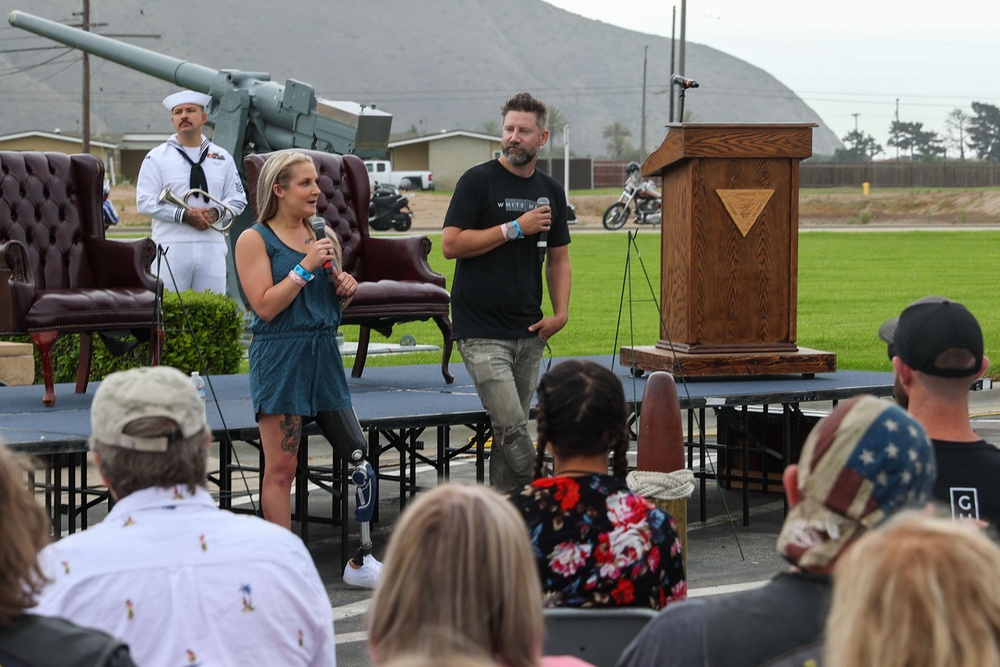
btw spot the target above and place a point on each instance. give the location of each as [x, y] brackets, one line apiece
[302, 273]
[520, 234]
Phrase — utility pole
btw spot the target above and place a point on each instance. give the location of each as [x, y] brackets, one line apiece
[897, 125]
[673, 38]
[682, 58]
[857, 137]
[85, 116]
[86, 25]
[642, 140]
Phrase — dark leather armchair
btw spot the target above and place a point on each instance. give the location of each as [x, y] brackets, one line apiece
[58, 274]
[395, 282]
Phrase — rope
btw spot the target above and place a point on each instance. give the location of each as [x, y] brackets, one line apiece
[662, 485]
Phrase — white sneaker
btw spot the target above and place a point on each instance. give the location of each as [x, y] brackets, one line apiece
[365, 576]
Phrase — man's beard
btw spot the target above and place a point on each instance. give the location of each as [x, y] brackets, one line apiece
[517, 155]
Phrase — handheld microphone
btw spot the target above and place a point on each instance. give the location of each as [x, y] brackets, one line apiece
[543, 237]
[682, 82]
[319, 227]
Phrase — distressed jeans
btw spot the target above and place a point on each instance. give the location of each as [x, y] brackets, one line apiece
[505, 373]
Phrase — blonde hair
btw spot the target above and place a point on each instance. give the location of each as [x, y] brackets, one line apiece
[424, 660]
[24, 530]
[277, 170]
[919, 592]
[459, 578]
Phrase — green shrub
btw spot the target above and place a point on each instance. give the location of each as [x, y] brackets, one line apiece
[215, 319]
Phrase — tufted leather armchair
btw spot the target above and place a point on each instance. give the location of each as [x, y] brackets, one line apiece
[58, 273]
[395, 282]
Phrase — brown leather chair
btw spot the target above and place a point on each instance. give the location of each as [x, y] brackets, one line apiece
[395, 282]
[58, 274]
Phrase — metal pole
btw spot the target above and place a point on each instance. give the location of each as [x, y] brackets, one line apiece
[566, 160]
[673, 39]
[642, 140]
[85, 115]
[897, 123]
[681, 60]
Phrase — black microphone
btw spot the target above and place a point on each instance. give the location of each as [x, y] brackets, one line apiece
[543, 237]
[319, 227]
[682, 82]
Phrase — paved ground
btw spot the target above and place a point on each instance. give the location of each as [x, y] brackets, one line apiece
[722, 553]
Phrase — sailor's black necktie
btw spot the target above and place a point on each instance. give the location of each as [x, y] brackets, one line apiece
[198, 180]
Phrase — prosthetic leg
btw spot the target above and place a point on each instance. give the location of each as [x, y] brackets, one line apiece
[343, 431]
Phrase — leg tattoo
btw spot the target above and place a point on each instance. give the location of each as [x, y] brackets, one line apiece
[291, 432]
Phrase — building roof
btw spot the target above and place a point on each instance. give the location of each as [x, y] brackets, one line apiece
[58, 136]
[442, 135]
[131, 141]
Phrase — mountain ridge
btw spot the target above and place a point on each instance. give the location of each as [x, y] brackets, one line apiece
[445, 65]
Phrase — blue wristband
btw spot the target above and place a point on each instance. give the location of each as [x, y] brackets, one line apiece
[305, 275]
[520, 234]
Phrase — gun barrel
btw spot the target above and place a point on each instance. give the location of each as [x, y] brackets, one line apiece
[174, 70]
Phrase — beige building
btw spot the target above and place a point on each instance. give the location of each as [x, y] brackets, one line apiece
[52, 142]
[447, 155]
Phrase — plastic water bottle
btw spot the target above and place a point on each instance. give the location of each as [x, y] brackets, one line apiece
[199, 384]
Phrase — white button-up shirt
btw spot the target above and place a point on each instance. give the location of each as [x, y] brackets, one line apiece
[185, 584]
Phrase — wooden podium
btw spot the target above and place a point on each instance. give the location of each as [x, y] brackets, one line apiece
[729, 252]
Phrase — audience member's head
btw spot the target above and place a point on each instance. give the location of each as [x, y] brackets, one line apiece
[865, 461]
[459, 578]
[582, 412]
[424, 660]
[918, 592]
[24, 530]
[937, 342]
[148, 430]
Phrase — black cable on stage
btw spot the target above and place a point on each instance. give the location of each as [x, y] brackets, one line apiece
[227, 440]
[635, 371]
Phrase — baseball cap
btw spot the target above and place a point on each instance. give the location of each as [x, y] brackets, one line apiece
[930, 326]
[159, 391]
[864, 462]
[186, 97]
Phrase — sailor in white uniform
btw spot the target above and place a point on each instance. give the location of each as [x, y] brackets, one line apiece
[195, 255]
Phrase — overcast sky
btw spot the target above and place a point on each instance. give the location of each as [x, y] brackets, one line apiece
[846, 57]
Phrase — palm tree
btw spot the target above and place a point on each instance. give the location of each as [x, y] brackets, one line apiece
[617, 135]
[556, 122]
[491, 127]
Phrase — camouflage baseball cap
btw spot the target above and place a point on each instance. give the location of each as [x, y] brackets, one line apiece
[864, 462]
[159, 391]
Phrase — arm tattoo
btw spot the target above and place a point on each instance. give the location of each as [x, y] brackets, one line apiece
[291, 432]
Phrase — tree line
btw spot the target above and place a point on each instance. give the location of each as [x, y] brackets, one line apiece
[969, 135]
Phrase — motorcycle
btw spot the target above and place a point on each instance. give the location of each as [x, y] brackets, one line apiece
[108, 208]
[644, 200]
[389, 210]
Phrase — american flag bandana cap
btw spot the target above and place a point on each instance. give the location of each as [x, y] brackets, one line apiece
[864, 462]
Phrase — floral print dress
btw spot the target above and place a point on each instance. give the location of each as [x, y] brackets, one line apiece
[598, 544]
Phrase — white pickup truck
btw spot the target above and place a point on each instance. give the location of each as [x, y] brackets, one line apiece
[380, 171]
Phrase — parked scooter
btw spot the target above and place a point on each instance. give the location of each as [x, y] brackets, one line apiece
[638, 196]
[389, 209]
[110, 212]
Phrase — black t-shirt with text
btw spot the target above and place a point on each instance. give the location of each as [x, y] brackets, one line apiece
[499, 294]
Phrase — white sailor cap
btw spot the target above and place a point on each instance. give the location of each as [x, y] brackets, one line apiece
[186, 97]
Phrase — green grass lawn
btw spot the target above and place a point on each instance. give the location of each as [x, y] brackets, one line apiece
[849, 283]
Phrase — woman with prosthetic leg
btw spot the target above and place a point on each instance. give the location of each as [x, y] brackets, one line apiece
[296, 372]
[344, 433]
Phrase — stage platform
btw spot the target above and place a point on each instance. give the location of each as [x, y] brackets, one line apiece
[397, 406]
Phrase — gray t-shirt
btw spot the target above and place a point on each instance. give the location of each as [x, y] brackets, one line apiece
[744, 629]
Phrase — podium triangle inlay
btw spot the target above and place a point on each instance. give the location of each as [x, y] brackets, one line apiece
[745, 206]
